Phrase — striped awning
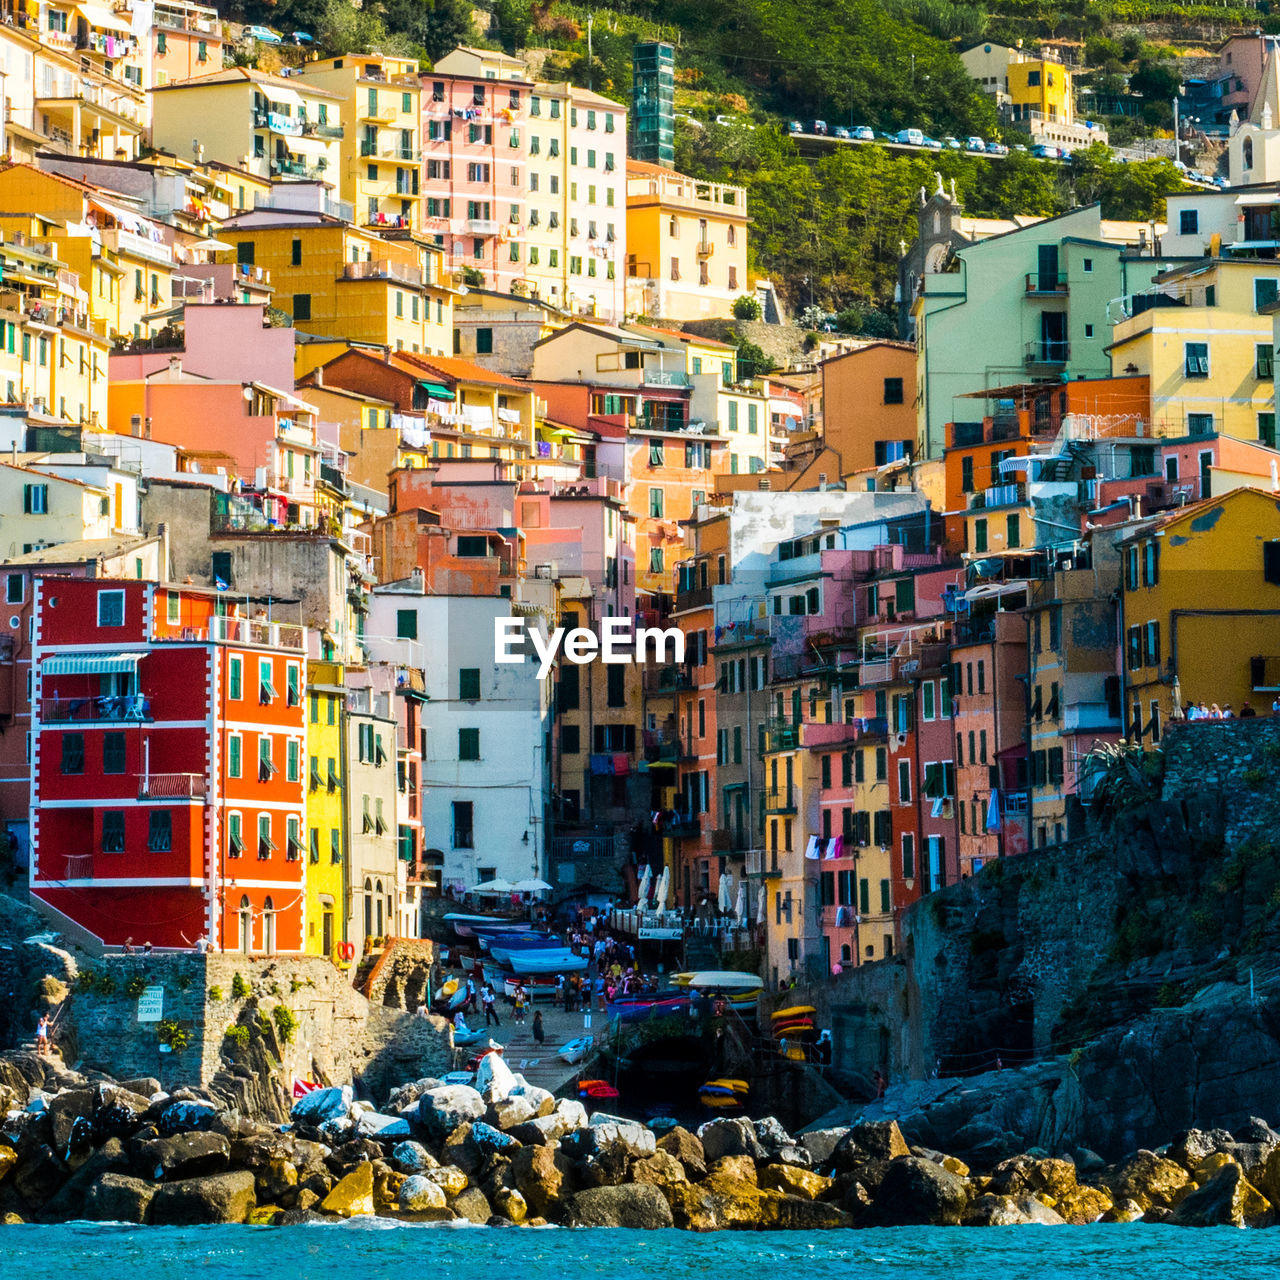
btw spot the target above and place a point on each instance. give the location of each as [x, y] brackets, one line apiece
[91, 664]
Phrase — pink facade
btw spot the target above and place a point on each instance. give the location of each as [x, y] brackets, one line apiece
[474, 171]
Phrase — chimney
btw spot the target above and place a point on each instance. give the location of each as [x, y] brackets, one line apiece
[317, 375]
[162, 536]
[175, 366]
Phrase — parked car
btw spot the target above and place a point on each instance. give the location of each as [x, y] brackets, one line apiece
[863, 134]
[795, 127]
[819, 127]
[975, 144]
[931, 143]
[910, 137]
[1017, 146]
[839, 132]
[1043, 151]
[301, 37]
[997, 149]
[1221, 182]
[263, 35]
[951, 143]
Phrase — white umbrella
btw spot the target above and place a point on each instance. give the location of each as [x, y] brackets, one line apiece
[762, 909]
[740, 910]
[496, 885]
[664, 887]
[646, 885]
[725, 897]
[531, 886]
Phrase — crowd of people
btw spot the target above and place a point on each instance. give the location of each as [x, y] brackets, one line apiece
[1211, 711]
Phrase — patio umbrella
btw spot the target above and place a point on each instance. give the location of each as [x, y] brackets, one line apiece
[1177, 699]
[531, 886]
[646, 886]
[725, 900]
[664, 888]
[762, 905]
[740, 910]
[496, 885]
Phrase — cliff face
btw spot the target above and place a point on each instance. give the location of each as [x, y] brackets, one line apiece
[1114, 991]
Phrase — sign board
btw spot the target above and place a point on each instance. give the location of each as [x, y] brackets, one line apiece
[151, 1005]
[664, 935]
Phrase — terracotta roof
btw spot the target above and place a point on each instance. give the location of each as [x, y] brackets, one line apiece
[687, 337]
[246, 75]
[459, 370]
[653, 170]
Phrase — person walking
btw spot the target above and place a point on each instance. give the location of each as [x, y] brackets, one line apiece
[519, 1001]
[540, 1036]
[42, 1034]
[490, 1012]
[470, 1002]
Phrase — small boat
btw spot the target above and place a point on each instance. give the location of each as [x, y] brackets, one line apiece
[575, 1050]
[597, 1091]
[638, 1007]
[796, 1011]
[519, 941]
[449, 987]
[724, 1094]
[472, 1036]
[559, 960]
[723, 1085]
[731, 982]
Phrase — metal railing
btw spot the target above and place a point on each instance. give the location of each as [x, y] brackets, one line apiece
[126, 707]
[171, 786]
[1047, 352]
[780, 799]
[1046, 282]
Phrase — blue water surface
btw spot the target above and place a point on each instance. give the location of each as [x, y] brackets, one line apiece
[384, 1251]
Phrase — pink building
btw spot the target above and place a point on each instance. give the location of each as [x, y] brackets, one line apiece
[474, 171]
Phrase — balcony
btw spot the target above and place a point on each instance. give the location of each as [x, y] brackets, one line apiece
[252, 631]
[171, 786]
[998, 495]
[780, 800]
[405, 155]
[665, 377]
[781, 736]
[481, 227]
[277, 122]
[126, 708]
[683, 828]
[693, 598]
[129, 242]
[1047, 354]
[705, 248]
[1046, 284]
[294, 167]
[762, 865]
[312, 129]
[382, 270]
[660, 680]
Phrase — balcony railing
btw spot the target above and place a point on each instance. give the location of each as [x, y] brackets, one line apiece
[781, 736]
[666, 378]
[382, 270]
[683, 828]
[998, 495]
[276, 635]
[481, 227]
[406, 154]
[122, 241]
[761, 864]
[313, 129]
[1043, 283]
[126, 707]
[1047, 353]
[780, 800]
[171, 786]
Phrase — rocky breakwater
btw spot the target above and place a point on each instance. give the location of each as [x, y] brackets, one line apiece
[507, 1153]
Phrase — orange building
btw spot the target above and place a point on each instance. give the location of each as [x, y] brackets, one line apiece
[869, 405]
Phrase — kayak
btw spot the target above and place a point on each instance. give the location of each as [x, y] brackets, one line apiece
[597, 1090]
[559, 960]
[519, 941]
[449, 987]
[735, 1087]
[796, 1011]
[573, 1051]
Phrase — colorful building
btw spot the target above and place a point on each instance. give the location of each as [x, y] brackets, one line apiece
[327, 812]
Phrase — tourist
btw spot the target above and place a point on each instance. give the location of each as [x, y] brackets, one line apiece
[128, 946]
[42, 1034]
[490, 1012]
[519, 1002]
[559, 994]
[470, 1001]
[881, 1083]
[1227, 713]
[460, 1021]
[539, 1035]
[202, 944]
[146, 948]
[1246, 711]
[1215, 711]
[1275, 706]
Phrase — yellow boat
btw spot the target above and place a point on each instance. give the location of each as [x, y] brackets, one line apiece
[796, 1011]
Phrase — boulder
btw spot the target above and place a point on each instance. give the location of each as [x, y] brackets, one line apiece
[420, 1195]
[1193, 1146]
[276, 1180]
[544, 1176]
[449, 1178]
[917, 1192]
[143, 1086]
[637, 1206]
[1023, 1175]
[1123, 1211]
[488, 1141]
[990, 1210]
[1087, 1161]
[820, 1143]
[793, 1181]
[1149, 1179]
[39, 1175]
[795, 1213]
[510, 1112]
[116, 1197]
[730, 1137]
[413, 1157]
[540, 1131]
[732, 1168]
[1082, 1205]
[119, 1115]
[658, 1170]
[68, 1202]
[543, 1101]
[609, 1168]
[772, 1137]
[187, 1116]
[374, 1124]
[868, 1140]
[693, 1208]
[572, 1111]
[8, 1158]
[321, 1105]
[1226, 1200]
[186, 1156]
[401, 1096]
[681, 1144]
[603, 1135]
[352, 1196]
[472, 1206]
[65, 1109]
[219, 1197]
[1039, 1212]
[1255, 1129]
[494, 1079]
[510, 1204]
[438, 1112]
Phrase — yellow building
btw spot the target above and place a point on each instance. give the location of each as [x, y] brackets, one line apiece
[382, 148]
[1205, 340]
[326, 810]
[273, 127]
[1198, 609]
[686, 245]
[1040, 89]
[123, 260]
[339, 281]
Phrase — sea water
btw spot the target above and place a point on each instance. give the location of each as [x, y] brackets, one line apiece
[373, 1250]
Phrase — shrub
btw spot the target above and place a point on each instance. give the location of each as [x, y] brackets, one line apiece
[216, 994]
[747, 307]
[1255, 777]
[295, 985]
[86, 980]
[238, 1035]
[239, 987]
[286, 1023]
[106, 985]
[135, 986]
[175, 1036]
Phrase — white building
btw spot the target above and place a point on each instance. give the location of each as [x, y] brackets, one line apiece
[485, 774]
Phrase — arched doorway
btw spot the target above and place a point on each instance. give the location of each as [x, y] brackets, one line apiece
[246, 925]
[381, 930]
[368, 907]
[269, 927]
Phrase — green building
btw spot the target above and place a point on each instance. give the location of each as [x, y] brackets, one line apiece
[653, 103]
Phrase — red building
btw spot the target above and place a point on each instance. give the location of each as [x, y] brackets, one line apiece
[167, 785]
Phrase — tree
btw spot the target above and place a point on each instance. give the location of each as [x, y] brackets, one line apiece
[747, 307]
[436, 27]
[1156, 81]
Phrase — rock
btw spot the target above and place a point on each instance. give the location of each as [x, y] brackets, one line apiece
[1257, 1130]
[540, 1131]
[603, 1135]
[1226, 1200]
[952, 1165]
[990, 1210]
[404, 1094]
[792, 1181]
[681, 1144]
[545, 1177]
[572, 1111]
[413, 1157]
[821, 1143]
[1209, 1166]
[511, 1111]
[794, 1213]
[730, 1138]
[868, 1140]
[636, 1206]
[323, 1104]
[39, 1175]
[187, 1117]
[1193, 1146]
[143, 1086]
[494, 1079]
[1149, 1180]
[67, 1107]
[220, 1197]
[488, 1141]
[1123, 1211]
[119, 1115]
[352, 1196]
[692, 1207]
[472, 1206]
[441, 1111]
[916, 1192]
[1024, 1175]
[276, 1181]
[1087, 1161]
[733, 1168]
[448, 1177]
[8, 1158]
[186, 1156]
[375, 1124]
[67, 1203]
[1037, 1211]
[267, 1215]
[510, 1204]
[609, 1168]
[1082, 1205]
[543, 1101]
[117, 1197]
[420, 1195]
[772, 1137]
[659, 1170]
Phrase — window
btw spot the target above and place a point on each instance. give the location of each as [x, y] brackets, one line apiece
[1267, 430]
[111, 608]
[235, 679]
[927, 704]
[302, 306]
[1200, 424]
[235, 836]
[293, 685]
[655, 502]
[1264, 360]
[266, 846]
[1189, 222]
[1151, 644]
[1265, 292]
[266, 689]
[468, 744]
[14, 588]
[616, 684]
[1013, 531]
[904, 781]
[266, 766]
[73, 753]
[1195, 359]
[293, 760]
[484, 342]
[462, 828]
[406, 624]
[656, 560]
[113, 753]
[893, 391]
[980, 535]
[113, 831]
[160, 831]
[234, 750]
